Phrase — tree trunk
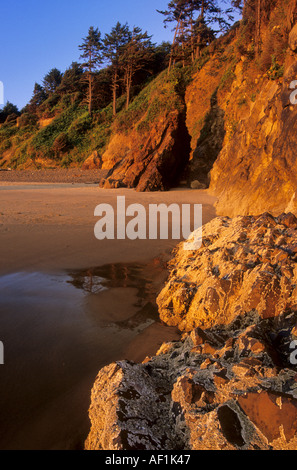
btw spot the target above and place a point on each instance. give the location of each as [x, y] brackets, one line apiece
[201, 17]
[192, 40]
[128, 87]
[114, 92]
[173, 44]
[258, 27]
[90, 100]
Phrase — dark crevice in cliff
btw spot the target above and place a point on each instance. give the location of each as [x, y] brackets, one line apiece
[180, 152]
[209, 144]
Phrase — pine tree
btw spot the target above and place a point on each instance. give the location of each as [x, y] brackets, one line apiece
[52, 80]
[253, 12]
[114, 44]
[176, 13]
[39, 96]
[92, 54]
[9, 112]
[135, 55]
[194, 25]
[71, 81]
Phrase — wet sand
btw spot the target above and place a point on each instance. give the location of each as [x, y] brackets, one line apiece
[50, 227]
[69, 304]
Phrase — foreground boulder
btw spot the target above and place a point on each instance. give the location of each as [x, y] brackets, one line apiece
[230, 382]
[245, 264]
[225, 388]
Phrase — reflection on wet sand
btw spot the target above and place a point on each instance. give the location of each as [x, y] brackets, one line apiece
[58, 331]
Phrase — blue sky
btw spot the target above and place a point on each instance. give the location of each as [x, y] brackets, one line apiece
[38, 35]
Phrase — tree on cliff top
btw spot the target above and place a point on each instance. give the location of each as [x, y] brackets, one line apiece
[38, 97]
[9, 112]
[113, 47]
[135, 55]
[91, 48]
[71, 81]
[196, 23]
[52, 80]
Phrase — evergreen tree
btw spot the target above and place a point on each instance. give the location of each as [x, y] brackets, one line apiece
[161, 56]
[92, 54]
[9, 112]
[176, 13]
[114, 44]
[39, 96]
[194, 21]
[71, 81]
[254, 12]
[135, 56]
[52, 80]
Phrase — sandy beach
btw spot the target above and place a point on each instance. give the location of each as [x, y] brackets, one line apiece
[51, 226]
[57, 331]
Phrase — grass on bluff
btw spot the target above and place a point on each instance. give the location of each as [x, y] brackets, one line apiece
[73, 135]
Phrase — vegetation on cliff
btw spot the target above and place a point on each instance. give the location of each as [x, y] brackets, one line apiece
[73, 114]
[214, 97]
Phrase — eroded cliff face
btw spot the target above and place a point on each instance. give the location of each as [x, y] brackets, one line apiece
[150, 144]
[205, 97]
[149, 161]
[230, 383]
[256, 168]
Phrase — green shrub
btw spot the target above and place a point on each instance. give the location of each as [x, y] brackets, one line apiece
[276, 70]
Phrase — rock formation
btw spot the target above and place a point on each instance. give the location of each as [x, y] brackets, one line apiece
[255, 169]
[259, 160]
[149, 161]
[245, 264]
[231, 381]
[150, 144]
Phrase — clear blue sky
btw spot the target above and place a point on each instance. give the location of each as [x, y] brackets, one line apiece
[38, 35]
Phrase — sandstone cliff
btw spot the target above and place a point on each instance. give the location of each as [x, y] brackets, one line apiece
[230, 383]
[150, 144]
[256, 168]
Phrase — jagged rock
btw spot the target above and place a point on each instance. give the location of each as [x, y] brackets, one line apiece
[93, 162]
[257, 157]
[182, 399]
[245, 265]
[149, 161]
[293, 38]
[230, 382]
[275, 415]
[129, 409]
